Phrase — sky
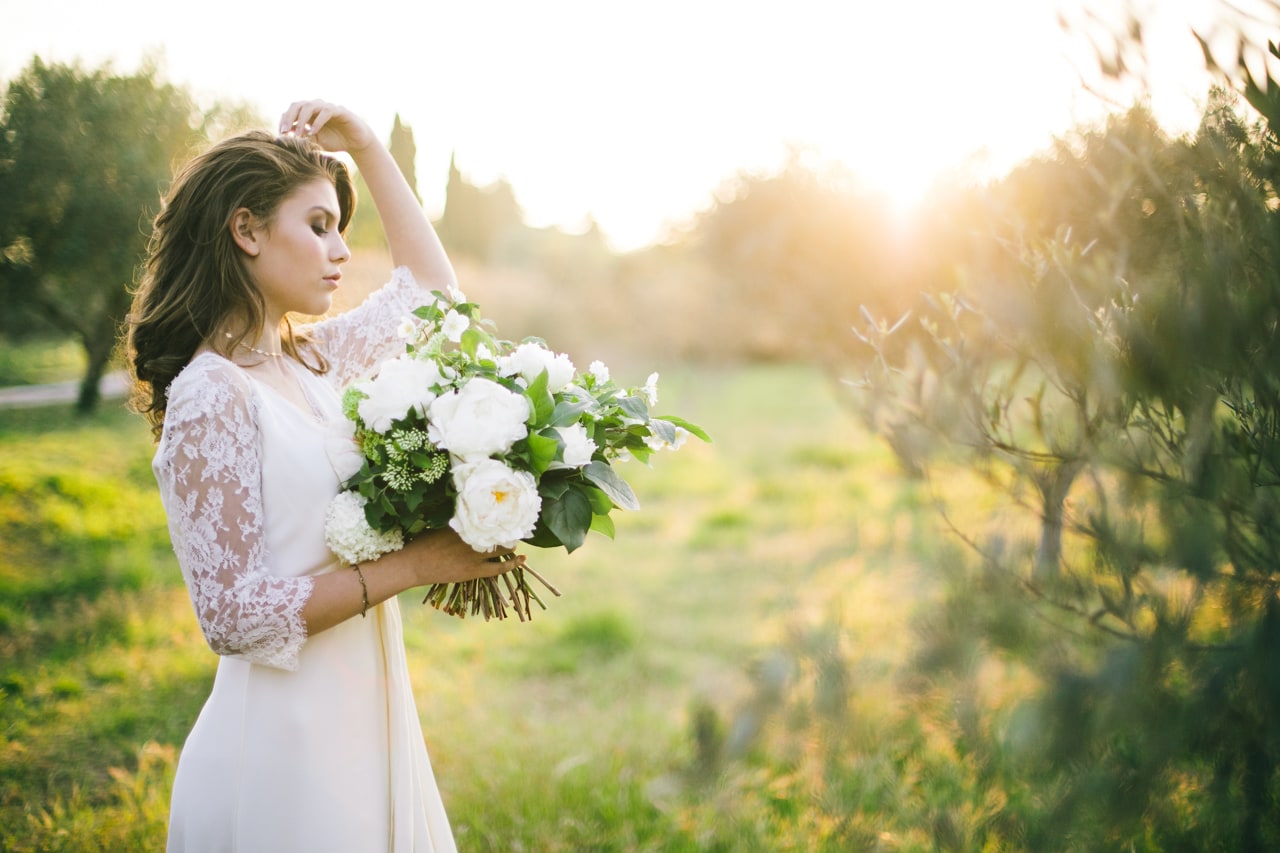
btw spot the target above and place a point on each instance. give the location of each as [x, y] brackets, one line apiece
[636, 114]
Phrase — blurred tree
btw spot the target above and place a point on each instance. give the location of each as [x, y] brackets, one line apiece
[1111, 365]
[84, 156]
[802, 250]
[477, 221]
[405, 152]
[365, 229]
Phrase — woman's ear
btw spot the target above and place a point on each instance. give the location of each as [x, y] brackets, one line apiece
[244, 230]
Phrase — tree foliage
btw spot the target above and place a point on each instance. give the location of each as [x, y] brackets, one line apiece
[802, 250]
[84, 156]
[1107, 356]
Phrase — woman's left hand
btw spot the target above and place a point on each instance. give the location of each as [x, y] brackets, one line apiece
[333, 127]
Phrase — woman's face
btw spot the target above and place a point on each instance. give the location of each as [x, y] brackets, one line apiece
[299, 252]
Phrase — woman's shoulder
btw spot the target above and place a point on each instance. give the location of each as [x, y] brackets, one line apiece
[209, 384]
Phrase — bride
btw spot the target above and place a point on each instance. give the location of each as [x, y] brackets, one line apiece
[310, 739]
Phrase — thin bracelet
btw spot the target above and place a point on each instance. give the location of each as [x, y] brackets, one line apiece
[364, 592]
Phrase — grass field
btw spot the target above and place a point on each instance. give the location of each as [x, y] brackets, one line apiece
[613, 721]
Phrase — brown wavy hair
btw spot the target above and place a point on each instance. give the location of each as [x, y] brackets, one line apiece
[195, 281]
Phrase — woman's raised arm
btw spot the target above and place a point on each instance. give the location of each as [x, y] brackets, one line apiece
[412, 240]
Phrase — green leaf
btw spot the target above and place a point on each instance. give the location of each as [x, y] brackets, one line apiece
[428, 312]
[472, 338]
[542, 452]
[540, 401]
[634, 407]
[567, 413]
[569, 518]
[611, 484]
[600, 503]
[603, 524]
[692, 428]
[665, 430]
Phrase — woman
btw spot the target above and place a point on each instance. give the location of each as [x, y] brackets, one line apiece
[310, 739]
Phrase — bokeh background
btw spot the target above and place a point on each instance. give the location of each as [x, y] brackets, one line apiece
[979, 303]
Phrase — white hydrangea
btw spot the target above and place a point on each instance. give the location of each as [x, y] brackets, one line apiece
[497, 506]
[348, 534]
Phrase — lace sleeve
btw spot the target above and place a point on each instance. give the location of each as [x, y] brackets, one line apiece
[356, 341]
[209, 468]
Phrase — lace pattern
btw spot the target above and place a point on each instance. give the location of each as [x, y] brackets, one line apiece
[355, 341]
[209, 467]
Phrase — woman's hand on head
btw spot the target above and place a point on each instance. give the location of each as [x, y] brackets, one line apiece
[333, 127]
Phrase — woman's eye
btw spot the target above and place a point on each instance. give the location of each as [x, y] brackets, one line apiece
[320, 230]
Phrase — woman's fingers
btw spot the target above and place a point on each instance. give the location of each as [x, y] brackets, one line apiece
[305, 118]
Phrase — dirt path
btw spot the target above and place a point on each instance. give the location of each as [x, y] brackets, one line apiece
[114, 385]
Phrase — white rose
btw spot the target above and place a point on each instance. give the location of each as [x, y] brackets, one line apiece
[600, 371]
[496, 506]
[578, 447]
[481, 419]
[402, 384]
[454, 325]
[528, 360]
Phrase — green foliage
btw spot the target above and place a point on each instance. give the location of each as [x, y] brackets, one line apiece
[84, 158]
[1107, 359]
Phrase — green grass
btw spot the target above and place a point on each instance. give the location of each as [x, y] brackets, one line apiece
[39, 361]
[576, 731]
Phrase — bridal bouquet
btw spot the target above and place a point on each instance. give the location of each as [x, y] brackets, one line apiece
[503, 442]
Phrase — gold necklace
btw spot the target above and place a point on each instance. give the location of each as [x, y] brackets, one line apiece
[261, 352]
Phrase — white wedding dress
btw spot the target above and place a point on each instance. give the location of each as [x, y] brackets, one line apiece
[305, 743]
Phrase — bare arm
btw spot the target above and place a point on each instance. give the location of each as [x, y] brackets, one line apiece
[438, 556]
[413, 241]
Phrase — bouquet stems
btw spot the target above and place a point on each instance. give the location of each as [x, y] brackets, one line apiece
[490, 597]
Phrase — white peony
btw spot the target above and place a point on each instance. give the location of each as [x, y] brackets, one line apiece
[578, 447]
[348, 534]
[481, 419]
[600, 371]
[496, 506]
[402, 384]
[454, 325]
[528, 360]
